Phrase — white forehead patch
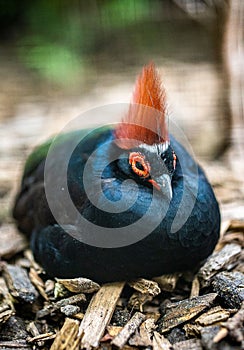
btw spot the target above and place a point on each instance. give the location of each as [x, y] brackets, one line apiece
[165, 146]
[151, 148]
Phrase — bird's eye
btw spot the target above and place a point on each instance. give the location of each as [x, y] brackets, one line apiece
[174, 160]
[139, 165]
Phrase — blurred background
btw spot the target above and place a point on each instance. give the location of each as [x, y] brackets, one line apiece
[59, 59]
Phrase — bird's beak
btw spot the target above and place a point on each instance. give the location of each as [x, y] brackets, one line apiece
[163, 184]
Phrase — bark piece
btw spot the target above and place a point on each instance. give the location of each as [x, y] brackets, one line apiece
[184, 310]
[79, 285]
[70, 310]
[13, 329]
[230, 288]
[67, 338]
[99, 314]
[121, 339]
[19, 283]
[12, 242]
[145, 286]
[217, 261]
[74, 299]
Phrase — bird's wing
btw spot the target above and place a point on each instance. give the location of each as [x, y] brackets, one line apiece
[31, 208]
[40, 152]
[31, 196]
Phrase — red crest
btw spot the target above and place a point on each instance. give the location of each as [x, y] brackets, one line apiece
[145, 120]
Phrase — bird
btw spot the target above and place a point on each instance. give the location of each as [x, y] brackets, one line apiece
[143, 205]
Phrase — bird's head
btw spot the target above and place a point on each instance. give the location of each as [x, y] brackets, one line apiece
[142, 135]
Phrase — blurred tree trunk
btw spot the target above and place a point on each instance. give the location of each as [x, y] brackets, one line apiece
[234, 62]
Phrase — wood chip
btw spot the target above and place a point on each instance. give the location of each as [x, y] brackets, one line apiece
[121, 339]
[19, 283]
[195, 288]
[143, 336]
[192, 330]
[99, 314]
[5, 313]
[160, 342]
[49, 287]
[32, 328]
[38, 283]
[237, 225]
[146, 290]
[42, 337]
[217, 261]
[79, 285]
[184, 310]
[67, 338]
[60, 291]
[145, 286]
[230, 288]
[234, 327]
[74, 299]
[232, 237]
[191, 344]
[6, 305]
[214, 315]
[12, 242]
[137, 300]
[225, 224]
[14, 344]
[114, 330]
[168, 282]
[223, 332]
[29, 255]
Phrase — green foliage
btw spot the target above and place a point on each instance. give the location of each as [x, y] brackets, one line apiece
[119, 14]
[60, 35]
[54, 62]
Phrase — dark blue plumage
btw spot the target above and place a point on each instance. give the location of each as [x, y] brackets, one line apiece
[171, 246]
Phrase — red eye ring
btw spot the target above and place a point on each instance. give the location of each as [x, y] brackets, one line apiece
[137, 157]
